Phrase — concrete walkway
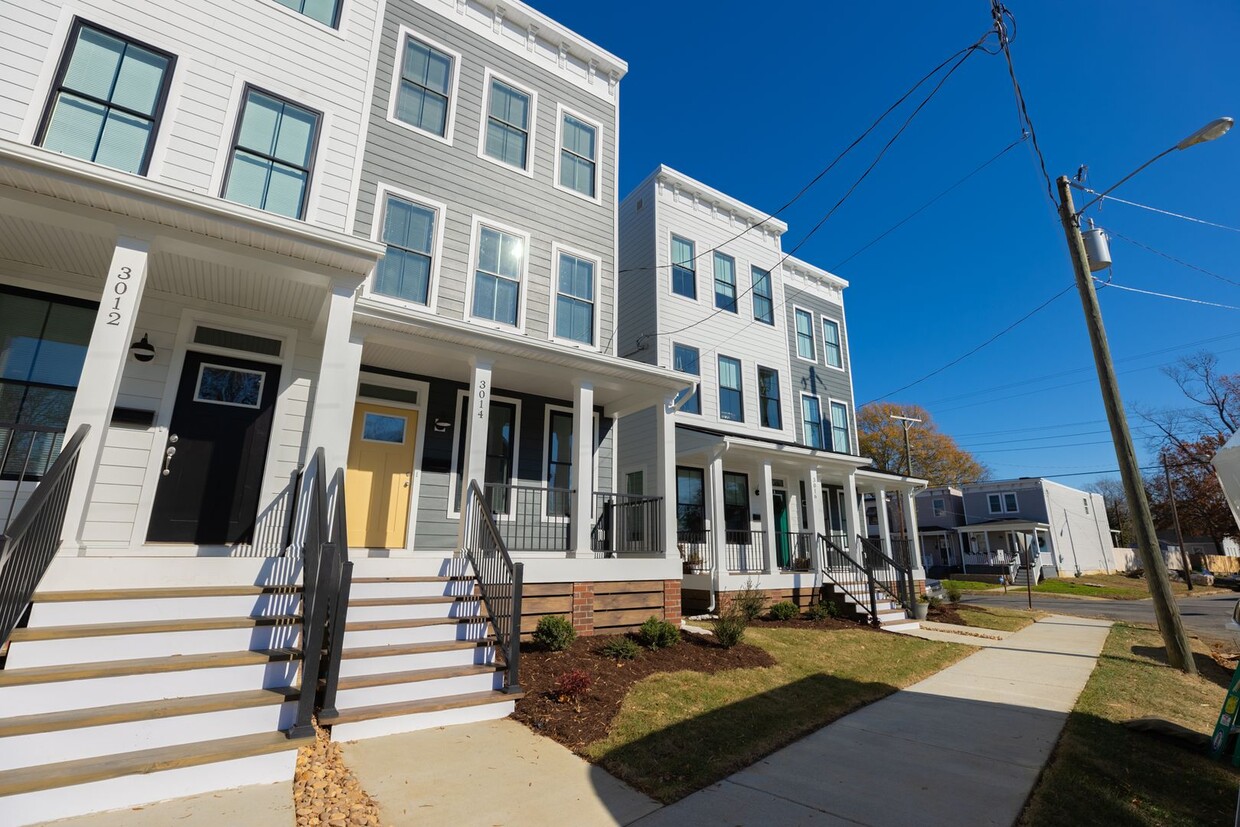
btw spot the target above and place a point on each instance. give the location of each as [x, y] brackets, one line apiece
[963, 747]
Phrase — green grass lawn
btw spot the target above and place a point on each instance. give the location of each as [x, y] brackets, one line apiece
[971, 585]
[678, 732]
[1103, 773]
[1004, 620]
[1113, 586]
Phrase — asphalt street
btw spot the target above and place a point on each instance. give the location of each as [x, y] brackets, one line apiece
[1204, 617]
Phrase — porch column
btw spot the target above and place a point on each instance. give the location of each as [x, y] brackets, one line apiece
[766, 510]
[583, 469]
[479, 422]
[665, 473]
[916, 564]
[884, 521]
[102, 369]
[717, 538]
[852, 511]
[331, 415]
[817, 521]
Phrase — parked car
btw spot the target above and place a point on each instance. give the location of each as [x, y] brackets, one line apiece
[1233, 625]
[1228, 581]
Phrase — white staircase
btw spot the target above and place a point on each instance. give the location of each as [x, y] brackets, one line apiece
[418, 651]
[115, 695]
[891, 615]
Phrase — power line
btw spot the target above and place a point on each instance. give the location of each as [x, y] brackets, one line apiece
[1173, 258]
[1110, 284]
[920, 209]
[1002, 16]
[1156, 209]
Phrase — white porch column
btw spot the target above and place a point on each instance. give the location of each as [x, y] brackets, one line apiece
[479, 422]
[817, 521]
[853, 512]
[916, 564]
[335, 392]
[715, 503]
[884, 521]
[766, 510]
[665, 472]
[583, 468]
[102, 370]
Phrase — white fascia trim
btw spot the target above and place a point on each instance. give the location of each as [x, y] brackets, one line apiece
[382, 193]
[809, 272]
[554, 292]
[489, 75]
[560, 111]
[523, 291]
[694, 187]
[454, 88]
[57, 168]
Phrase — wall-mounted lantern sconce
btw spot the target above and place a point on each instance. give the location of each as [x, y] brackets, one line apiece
[142, 350]
[442, 425]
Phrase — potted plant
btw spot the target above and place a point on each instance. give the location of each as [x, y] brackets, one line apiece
[692, 561]
[921, 608]
[800, 563]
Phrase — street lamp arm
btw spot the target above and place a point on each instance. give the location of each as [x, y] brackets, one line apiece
[1123, 180]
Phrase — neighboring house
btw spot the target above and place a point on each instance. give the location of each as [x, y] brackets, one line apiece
[940, 512]
[1204, 545]
[1000, 522]
[765, 445]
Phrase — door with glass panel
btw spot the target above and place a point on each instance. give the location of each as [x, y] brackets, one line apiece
[379, 479]
[212, 471]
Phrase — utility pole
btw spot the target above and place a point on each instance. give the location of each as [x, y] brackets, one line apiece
[907, 422]
[1179, 651]
[1179, 535]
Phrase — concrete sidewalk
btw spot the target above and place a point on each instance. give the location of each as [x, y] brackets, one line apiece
[963, 747]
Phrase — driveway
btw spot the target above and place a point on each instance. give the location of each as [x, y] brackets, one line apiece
[1204, 616]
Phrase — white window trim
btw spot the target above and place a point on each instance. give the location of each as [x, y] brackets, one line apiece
[475, 236]
[340, 32]
[560, 111]
[796, 335]
[831, 422]
[489, 75]
[839, 336]
[779, 385]
[1015, 497]
[546, 458]
[697, 271]
[736, 289]
[740, 375]
[454, 474]
[376, 235]
[554, 291]
[989, 503]
[805, 436]
[696, 376]
[453, 89]
[775, 305]
[423, 390]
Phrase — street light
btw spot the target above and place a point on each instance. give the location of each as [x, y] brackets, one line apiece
[1179, 652]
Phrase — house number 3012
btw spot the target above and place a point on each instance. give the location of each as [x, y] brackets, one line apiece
[120, 288]
[482, 398]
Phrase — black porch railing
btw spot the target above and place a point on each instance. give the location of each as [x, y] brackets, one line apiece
[695, 550]
[627, 526]
[794, 550]
[531, 517]
[890, 577]
[29, 543]
[26, 455]
[851, 577]
[500, 580]
[326, 575]
[745, 551]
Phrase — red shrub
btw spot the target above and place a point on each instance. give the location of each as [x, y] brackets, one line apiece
[572, 685]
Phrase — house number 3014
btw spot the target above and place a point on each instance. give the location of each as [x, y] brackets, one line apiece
[482, 398]
[120, 288]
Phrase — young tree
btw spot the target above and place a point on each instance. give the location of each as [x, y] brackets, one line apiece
[936, 456]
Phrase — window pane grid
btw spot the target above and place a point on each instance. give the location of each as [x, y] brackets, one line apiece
[811, 416]
[763, 306]
[405, 269]
[839, 428]
[324, 11]
[559, 462]
[805, 335]
[577, 160]
[497, 280]
[731, 398]
[685, 360]
[271, 157]
[768, 394]
[422, 98]
[684, 277]
[831, 342]
[574, 312]
[508, 124]
[725, 282]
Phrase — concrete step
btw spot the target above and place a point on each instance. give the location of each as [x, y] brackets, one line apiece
[408, 716]
[417, 684]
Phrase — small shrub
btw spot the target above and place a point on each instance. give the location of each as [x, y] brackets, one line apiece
[750, 600]
[952, 588]
[935, 602]
[824, 609]
[784, 610]
[730, 629]
[620, 648]
[555, 633]
[572, 686]
[658, 634]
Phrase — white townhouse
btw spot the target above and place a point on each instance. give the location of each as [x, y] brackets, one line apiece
[768, 477]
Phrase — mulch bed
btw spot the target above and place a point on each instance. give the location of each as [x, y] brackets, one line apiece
[946, 613]
[576, 727]
[825, 624]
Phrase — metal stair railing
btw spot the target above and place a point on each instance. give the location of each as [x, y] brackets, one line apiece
[30, 542]
[500, 580]
[895, 580]
[852, 578]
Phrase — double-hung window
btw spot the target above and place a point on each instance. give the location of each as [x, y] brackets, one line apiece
[509, 115]
[725, 282]
[272, 154]
[994, 502]
[559, 463]
[404, 272]
[574, 301]
[690, 505]
[939, 507]
[578, 156]
[811, 422]
[497, 277]
[326, 12]
[831, 343]
[423, 93]
[769, 413]
[731, 397]
[107, 99]
[839, 428]
[1009, 502]
[684, 273]
[736, 508]
[763, 301]
[685, 360]
[805, 335]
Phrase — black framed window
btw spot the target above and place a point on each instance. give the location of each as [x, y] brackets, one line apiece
[768, 395]
[404, 272]
[684, 272]
[731, 397]
[43, 341]
[763, 298]
[326, 12]
[690, 500]
[831, 342]
[805, 335]
[736, 507]
[501, 441]
[559, 463]
[686, 360]
[811, 422]
[839, 428]
[107, 99]
[272, 154]
[422, 99]
[574, 301]
[725, 282]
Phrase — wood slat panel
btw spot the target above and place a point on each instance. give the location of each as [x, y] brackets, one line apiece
[546, 589]
[546, 605]
[640, 600]
[621, 587]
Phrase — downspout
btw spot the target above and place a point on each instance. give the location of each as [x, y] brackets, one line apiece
[715, 581]
[1105, 544]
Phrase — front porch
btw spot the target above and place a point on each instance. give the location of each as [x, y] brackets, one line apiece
[1004, 548]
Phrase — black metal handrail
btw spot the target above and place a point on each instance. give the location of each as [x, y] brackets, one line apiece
[31, 540]
[500, 580]
[532, 517]
[854, 579]
[890, 576]
[745, 551]
[628, 525]
[695, 550]
[794, 550]
[341, 583]
[42, 443]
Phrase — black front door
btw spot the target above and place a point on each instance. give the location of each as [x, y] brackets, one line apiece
[221, 424]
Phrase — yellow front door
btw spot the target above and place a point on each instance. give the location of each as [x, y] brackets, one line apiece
[380, 475]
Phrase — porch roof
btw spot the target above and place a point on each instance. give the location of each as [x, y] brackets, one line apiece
[90, 200]
[426, 343]
[784, 455]
[1004, 525]
[871, 479]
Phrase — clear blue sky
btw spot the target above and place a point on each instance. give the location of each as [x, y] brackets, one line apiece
[756, 103]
